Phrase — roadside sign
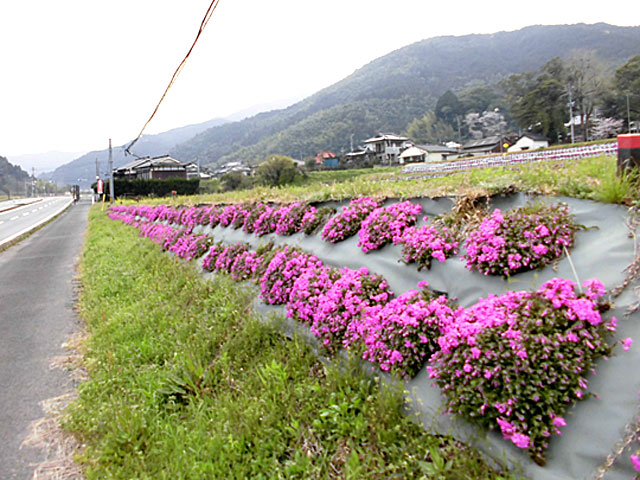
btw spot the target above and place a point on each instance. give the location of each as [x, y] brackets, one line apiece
[100, 186]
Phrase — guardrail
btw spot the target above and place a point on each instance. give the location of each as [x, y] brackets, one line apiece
[550, 155]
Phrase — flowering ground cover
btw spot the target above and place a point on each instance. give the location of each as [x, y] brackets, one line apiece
[522, 239]
[515, 362]
[422, 244]
[186, 382]
[512, 363]
[387, 224]
[347, 223]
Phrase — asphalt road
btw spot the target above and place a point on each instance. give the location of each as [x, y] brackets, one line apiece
[36, 316]
[21, 219]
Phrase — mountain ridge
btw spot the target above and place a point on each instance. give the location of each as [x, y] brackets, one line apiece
[411, 79]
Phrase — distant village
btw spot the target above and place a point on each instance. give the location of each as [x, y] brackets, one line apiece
[385, 149]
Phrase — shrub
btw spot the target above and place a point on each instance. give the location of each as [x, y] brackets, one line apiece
[347, 223]
[517, 361]
[387, 224]
[524, 239]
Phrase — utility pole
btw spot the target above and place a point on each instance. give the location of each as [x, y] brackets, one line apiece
[628, 115]
[33, 181]
[571, 114]
[111, 189]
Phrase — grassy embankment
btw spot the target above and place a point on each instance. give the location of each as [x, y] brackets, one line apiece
[592, 178]
[186, 383]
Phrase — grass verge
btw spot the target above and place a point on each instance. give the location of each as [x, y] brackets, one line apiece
[185, 383]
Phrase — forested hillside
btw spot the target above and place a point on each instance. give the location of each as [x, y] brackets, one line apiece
[12, 178]
[394, 90]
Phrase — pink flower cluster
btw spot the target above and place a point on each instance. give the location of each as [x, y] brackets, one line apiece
[402, 334]
[517, 360]
[347, 223]
[523, 239]
[387, 224]
[343, 306]
[422, 244]
[190, 246]
[283, 269]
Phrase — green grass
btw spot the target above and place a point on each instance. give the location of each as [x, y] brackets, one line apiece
[592, 179]
[185, 383]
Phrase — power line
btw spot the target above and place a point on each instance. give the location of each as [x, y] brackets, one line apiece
[203, 25]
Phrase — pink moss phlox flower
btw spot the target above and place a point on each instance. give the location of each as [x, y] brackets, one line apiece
[522, 239]
[427, 242]
[347, 223]
[387, 224]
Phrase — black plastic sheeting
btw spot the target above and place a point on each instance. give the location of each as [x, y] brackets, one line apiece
[595, 426]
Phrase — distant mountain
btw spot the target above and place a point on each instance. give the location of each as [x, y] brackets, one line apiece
[388, 93]
[43, 162]
[12, 178]
[82, 170]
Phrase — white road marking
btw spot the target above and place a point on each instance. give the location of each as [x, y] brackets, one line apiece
[25, 214]
[13, 218]
[1, 222]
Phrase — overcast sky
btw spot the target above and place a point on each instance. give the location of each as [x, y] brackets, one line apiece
[76, 72]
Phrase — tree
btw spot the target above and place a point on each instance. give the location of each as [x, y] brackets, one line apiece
[537, 100]
[277, 170]
[448, 108]
[235, 181]
[606, 127]
[584, 84]
[430, 129]
[623, 100]
[486, 124]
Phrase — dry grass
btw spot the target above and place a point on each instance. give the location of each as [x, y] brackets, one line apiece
[47, 433]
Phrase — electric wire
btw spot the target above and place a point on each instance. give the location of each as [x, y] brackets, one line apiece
[203, 25]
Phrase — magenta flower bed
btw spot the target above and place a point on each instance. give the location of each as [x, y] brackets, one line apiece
[421, 245]
[387, 224]
[515, 362]
[344, 303]
[289, 218]
[307, 290]
[523, 239]
[401, 335]
[347, 223]
[190, 246]
[283, 269]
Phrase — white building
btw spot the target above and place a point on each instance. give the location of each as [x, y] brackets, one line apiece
[529, 141]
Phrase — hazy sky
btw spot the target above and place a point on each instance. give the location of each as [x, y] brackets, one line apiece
[76, 72]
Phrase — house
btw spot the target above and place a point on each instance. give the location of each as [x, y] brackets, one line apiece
[361, 156]
[327, 159]
[387, 147]
[486, 146]
[232, 167]
[529, 141]
[427, 153]
[152, 168]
